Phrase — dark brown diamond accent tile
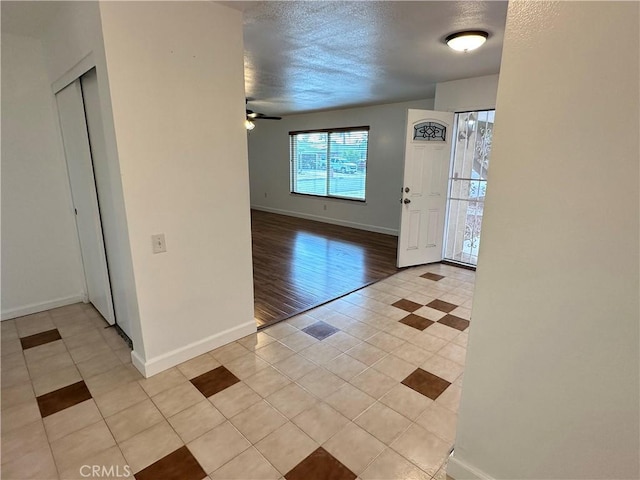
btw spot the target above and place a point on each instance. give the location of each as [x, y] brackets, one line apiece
[454, 322]
[64, 397]
[441, 305]
[432, 276]
[214, 381]
[40, 339]
[178, 465]
[416, 321]
[426, 383]
[320, 465]
[320, 330]
[407, 305]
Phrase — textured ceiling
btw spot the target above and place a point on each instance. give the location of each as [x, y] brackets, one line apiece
[304, 56]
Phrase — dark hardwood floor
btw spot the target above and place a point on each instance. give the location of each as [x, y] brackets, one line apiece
[299, 264]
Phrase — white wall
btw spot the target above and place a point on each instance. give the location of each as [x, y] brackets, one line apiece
[41, 266]
[177, 90]
[72, 44]
[270, 175]
[551, 385]
[477, 93]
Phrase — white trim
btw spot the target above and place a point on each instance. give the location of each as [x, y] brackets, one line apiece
[175, 357]
[332, 221]
[83, 66]
[42, 306]
[459, 470]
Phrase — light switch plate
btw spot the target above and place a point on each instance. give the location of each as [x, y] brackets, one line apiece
[159, 245]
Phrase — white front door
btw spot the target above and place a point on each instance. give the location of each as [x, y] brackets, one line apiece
[424, 191]
[85, 200]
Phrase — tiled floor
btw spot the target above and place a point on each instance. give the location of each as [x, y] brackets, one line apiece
[364, 387]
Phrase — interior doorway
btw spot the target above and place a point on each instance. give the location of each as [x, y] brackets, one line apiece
[473, 132]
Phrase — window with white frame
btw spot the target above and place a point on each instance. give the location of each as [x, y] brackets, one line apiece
[330, 163]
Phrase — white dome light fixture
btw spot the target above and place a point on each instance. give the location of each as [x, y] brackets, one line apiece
[249, 125]
[467, 40]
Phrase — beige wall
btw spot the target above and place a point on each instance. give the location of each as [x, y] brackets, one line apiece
[176, 81]
[468, 94]
[551, 385]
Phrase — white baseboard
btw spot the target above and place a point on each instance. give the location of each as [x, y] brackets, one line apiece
[459, 470]
[332, 221]
[41, 307]
[175, 357]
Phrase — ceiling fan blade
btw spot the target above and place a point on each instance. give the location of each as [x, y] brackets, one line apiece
[266, 117]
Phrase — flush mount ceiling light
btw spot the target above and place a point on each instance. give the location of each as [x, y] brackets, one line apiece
[466, 41]
[249, 125]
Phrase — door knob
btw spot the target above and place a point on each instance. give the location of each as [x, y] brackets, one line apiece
[406, 200]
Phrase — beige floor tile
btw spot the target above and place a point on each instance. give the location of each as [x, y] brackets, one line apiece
[345, 367]
[453, 352]
[229, 352]
[44, 351]
[10, 346]
[98, 364]
[267, 381]
[37, 465]
[48, 365]
[104, 382]
[320, 353]
[197, 366]
[74, 328]
[394, 367]
[258, 421]
[295, 366]
[321, 383]
[462, 312]
[366, 353]
[439, 420]
[162, 381]
[55, 380]
[442, 331]
[274, 352]
[177, 398]
[249, 465]
[354, 447]
[360, 330]
[374, 383]
[401, 331]
[25, 440]
[149, 446]
[13, 361]
[196, 420]
[412, 354]
[246, 365]
[280, 330]
[234, 399]
[218, 446]
[428, 342]
[81, 445]
[71, 419]
[298, 341]
[406, 401]
[350, 401]
[20, 415]
[383, 423]
[286, 447]
[423, 448]
[385, 342]
[32, 325]
[113, 338]
[301, 321]
[16, 395]
[120, 398]
[110, 458]
[430, 313]
[88, 351]
[390, 465]
[461, 340]
[124, 355]
[88, 335]
[443, 368]
[256, 340]
[342, 341]
[292, 400]
[133, 420]
[321, 422]
[450, 398]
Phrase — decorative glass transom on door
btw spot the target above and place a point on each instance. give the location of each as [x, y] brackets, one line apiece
[468, 185]
[430, 132]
